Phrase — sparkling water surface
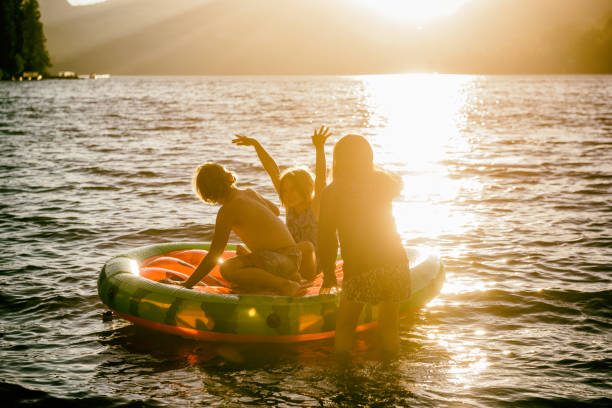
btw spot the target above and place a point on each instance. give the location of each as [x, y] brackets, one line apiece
[509, 177]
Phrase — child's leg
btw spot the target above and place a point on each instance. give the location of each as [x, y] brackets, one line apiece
[243, 271]
[308, 267]
[388, 322]
[346, 321]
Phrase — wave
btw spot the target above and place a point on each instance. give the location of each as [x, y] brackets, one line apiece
[556, 306]
[117, 173]
[190, 232]
[557, 402]
[17, 395]
[39, 304]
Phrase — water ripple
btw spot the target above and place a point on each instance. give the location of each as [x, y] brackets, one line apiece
[509, 177]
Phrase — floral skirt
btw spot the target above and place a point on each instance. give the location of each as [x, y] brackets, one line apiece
[389, 283]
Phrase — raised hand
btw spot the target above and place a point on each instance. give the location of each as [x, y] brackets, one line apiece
[241, 140]
[320, 136]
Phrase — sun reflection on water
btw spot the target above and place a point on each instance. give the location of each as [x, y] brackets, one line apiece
[467, 360]
[416, 115]
[417, 127]
[417, 124]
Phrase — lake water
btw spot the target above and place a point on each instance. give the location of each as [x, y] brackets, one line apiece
[509, 177]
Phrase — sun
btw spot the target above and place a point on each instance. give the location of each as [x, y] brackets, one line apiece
[412, 10]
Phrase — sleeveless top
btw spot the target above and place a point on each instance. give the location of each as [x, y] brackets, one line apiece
[303, 226]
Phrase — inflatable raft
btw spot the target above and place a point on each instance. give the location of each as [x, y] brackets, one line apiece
[214, 310]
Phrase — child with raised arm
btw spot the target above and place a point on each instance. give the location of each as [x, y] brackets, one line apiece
[357, 206]
[275, 259]
[300, 196]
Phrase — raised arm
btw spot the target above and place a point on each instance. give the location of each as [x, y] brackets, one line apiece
[318, 140]
[223, 226]
[328, 243]
[266, 160]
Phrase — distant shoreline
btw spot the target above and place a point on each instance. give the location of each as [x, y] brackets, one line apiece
[82, 77]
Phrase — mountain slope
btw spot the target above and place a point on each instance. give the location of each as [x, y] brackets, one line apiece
[183, 37]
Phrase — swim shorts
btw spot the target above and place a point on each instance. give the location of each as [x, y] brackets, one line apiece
[283, 262]
[383, 284]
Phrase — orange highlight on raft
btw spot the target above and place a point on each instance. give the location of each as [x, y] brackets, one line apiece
[179, 265]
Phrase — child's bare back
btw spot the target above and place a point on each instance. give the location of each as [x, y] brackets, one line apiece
[254, 222]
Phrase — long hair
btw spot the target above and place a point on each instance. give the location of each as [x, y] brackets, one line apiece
[353, 164]
[353, 159]
[211, 182]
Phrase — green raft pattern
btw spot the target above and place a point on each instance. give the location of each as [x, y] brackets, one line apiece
[240, 317]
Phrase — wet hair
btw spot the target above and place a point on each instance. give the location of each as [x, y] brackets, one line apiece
[211, 182]
[353, 163]
[301, 180]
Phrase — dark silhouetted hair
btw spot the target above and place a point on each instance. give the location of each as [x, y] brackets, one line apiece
[212, 182]
[353, 158]
[353, 163]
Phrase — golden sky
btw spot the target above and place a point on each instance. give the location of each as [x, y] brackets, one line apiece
[416, 10]
[186, 37]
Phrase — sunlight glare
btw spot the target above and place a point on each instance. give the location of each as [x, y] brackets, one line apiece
[415, 120]
[134, 267]
[467, 362]
[412, 10]
[84, 2]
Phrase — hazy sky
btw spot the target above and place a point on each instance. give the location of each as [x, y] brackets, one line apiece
[184, 37]
[84, 2]
[417, 11]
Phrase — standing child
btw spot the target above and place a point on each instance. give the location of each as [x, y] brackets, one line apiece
[357, 205]
[299, 195]
[275, 260]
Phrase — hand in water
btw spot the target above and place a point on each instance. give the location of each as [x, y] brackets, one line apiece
[320, 136]
[244, 140]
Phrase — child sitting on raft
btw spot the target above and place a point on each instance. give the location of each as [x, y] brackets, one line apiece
[275, 260]
[300, 196]
[357, 205]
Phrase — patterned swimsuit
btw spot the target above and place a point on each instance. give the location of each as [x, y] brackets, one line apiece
[303, 226]
[389, 283]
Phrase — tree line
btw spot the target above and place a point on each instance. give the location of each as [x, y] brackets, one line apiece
[22, 39]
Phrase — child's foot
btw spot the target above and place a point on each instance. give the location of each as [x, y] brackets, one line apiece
[291, 288]
[240, 250]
